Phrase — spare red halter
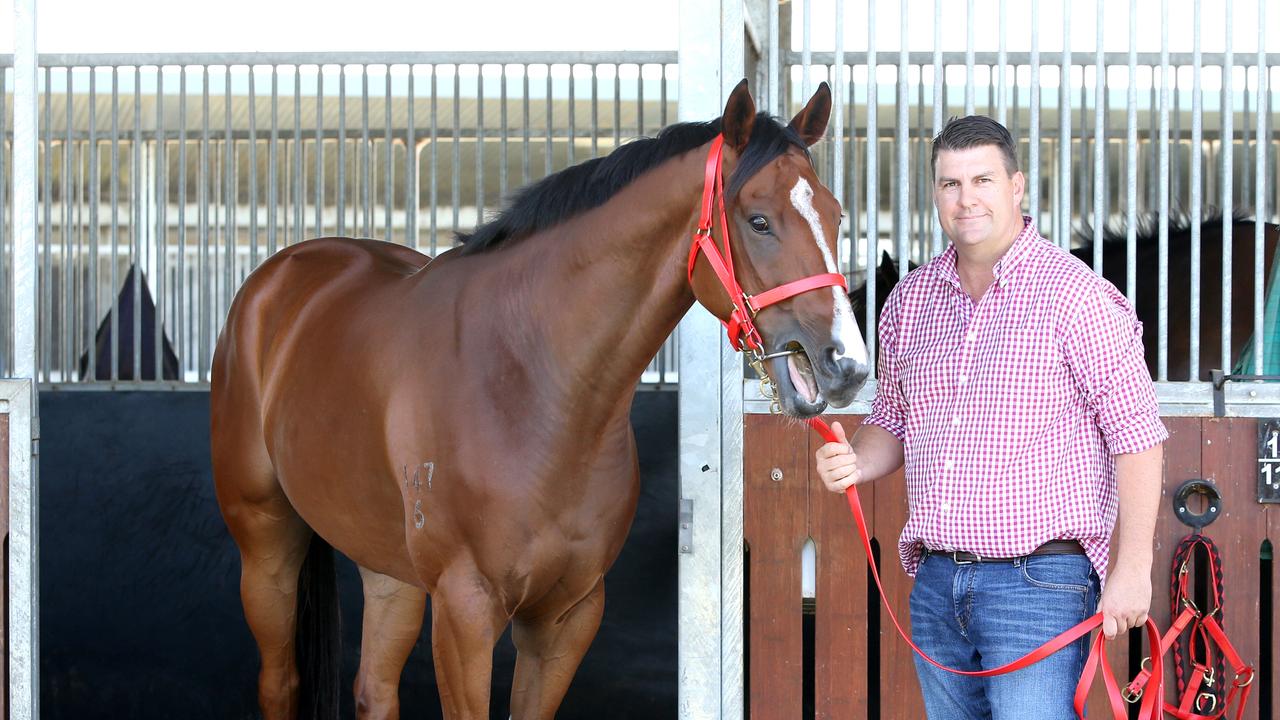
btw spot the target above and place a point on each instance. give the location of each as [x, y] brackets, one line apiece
[741, 323]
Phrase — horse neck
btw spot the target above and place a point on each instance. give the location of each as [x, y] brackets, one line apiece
[613, 282]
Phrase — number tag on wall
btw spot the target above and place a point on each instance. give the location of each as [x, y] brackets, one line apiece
[1269, 461]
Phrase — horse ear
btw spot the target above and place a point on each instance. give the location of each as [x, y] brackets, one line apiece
[811, 122]
[739, 117]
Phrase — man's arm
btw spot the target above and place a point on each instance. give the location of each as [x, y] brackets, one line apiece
[874, 453]
[1126, 599]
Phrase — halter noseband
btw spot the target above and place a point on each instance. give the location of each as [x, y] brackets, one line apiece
[741, 326]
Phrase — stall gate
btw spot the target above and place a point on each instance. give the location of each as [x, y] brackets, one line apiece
[1129, 142]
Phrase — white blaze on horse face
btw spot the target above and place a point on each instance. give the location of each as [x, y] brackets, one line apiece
[843, 327]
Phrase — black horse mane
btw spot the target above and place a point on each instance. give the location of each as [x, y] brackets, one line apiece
[587, 185]
[1148, 226]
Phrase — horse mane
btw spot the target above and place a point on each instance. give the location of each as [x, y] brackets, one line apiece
[576, 189]
[1148, 226]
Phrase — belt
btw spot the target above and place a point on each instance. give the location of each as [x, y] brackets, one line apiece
[1053, 547]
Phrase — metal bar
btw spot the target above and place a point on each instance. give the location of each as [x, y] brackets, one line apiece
[182, 329]
[456, 132]
[617, 112]
[445, 57]
[1002, 61]
[1131, 168]
[43, 330]
[205, 284]
[572, 116]
[969, 85]
[480, 142]
[524, 157]
[1175, 158]
[773, 57]
[114, 183]
[435, 156]
[1260, 199]
[595, 114]
[838, 101]
[319, 209]
[1033, 161]
[806, 50]
[873, 200]
[1196, 187]
[161, 229]
[903, 145]
[341, 187]
[93, 177]
[550, 103]
[233, 172]
[136, 191]
[506, 131]
[273, 173]
[388, 188]
[939, 73]
[1099, 141]
[67, 190]
[1228, 196]
[299, 180]
[230, 188]
[1162, 355]
[991, 57]
[366, 176]
[411, 170]
[1063, 229]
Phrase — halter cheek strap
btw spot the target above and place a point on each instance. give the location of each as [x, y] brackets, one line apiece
[740, 326]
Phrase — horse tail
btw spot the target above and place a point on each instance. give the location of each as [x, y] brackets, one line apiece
[317, 639]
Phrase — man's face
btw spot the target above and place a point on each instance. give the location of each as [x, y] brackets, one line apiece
[979, 202]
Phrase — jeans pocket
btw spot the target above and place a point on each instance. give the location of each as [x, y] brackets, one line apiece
[1068, 573]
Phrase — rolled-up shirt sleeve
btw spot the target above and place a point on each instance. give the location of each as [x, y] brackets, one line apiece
[889, 407]
[1103, 346]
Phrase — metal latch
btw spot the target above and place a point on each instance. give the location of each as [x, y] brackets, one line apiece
[1220, 380]
[686, 526]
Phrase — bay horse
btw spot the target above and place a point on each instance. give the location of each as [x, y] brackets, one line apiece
[1147, 289]
[460, 427]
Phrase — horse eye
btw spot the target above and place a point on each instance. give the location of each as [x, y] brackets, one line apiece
[759, 224]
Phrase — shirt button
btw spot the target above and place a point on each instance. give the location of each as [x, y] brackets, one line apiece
[971, 337]
[946, 507]
[948, 464]
[955, 420]
[963, 379]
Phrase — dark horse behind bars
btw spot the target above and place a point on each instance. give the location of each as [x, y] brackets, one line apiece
[460, 427]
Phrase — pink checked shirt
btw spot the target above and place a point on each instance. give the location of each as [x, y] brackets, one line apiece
[1010, 410]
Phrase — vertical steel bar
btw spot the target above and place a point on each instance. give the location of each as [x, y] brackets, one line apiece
[1099, 138]
[1131, 167]
[1033, 160]
[319, 153]
[299, 180]
[162, 226]
[526, 135]
[93, 177]
[182, 329]
[204, 278]
[230, 212]
[903, 146]
[340, 187]
[504, 133]
[969, 86]
[1162, 355]
[411, 169]
[480, 142]
[1260, 328]
[1196, 188]
[873, 185]
[837, 111]
[595, 112]
[43, 338]
[550, 102]
[115, 223]
[435, 157]
[1228, 177]
[456, 132]
[1002, 60]
[366, 153]
[773, 52]
[233, 171]
[137, 194]
[388, 188]
[1063, 230]
[806, 50]
[939, 73]
[273, 157]
[573, 111]
[69, 188]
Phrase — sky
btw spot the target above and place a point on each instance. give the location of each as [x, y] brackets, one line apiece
[89, 26]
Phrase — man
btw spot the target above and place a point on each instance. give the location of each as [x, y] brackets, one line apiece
[1012, 386]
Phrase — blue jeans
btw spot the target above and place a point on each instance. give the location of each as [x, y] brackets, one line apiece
[983, 615]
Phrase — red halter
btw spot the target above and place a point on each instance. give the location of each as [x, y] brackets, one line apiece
[740, 326]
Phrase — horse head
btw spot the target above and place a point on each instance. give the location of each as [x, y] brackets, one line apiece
[782, 224]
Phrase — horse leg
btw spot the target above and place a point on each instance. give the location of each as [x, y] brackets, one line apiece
[393, 614]
[548, 651]
[466, 621]
[273, 542]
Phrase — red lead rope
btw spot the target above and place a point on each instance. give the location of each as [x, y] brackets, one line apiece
[1152, 680]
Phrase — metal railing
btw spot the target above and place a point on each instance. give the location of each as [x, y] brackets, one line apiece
[194, 169]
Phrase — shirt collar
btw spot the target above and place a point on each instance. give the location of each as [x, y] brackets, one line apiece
[1003, 270]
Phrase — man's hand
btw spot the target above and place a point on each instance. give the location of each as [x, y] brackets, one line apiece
[1126, 600]
[837, 463]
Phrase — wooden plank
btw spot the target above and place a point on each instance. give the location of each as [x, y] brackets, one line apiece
[899, 688]
[775, 529]
[840, 653]
[1229, 458]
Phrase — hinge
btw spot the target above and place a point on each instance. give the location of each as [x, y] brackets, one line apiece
[686, 526]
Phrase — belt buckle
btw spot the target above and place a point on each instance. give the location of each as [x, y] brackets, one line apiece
[955, 557]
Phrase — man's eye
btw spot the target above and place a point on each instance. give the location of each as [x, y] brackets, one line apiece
[759, 224]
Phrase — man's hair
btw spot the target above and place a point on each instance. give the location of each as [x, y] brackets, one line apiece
[976, 131]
